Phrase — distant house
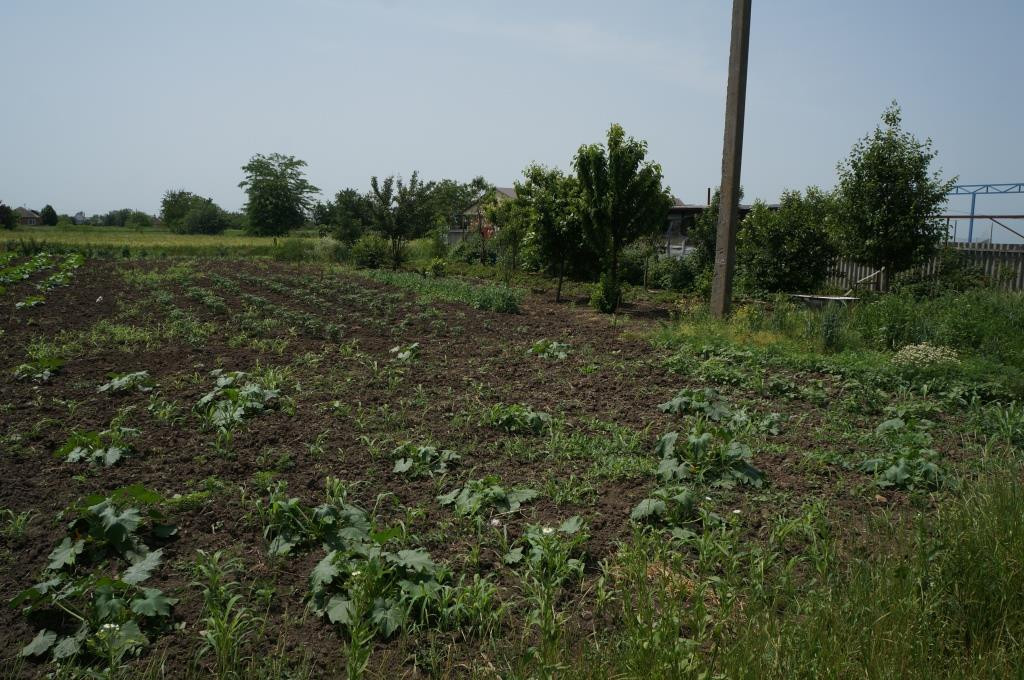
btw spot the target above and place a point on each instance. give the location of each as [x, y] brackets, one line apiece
[79, 218]
[474, 221]
[681, 217]
[26, 217]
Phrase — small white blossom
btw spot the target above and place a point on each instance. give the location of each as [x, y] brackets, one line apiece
[495, 522]
[925, 355]
[547, 531]
[735, 512]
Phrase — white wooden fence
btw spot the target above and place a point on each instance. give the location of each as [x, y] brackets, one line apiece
[1002, 263]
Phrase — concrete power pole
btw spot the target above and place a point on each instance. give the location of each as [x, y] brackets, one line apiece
[732, 156]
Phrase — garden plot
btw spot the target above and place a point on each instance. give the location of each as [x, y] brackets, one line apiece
[289, 470]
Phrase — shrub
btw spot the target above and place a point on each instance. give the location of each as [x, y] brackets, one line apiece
[672, 273]
[954, 274]
[607, 294]
[204, 218]
[328, 249]
[294, 250]
[789, 249]
[371, 251]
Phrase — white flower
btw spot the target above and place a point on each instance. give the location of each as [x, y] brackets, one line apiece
[735, 512]
[356, 573]
[547, 531]
[924, 354]
[495, 522]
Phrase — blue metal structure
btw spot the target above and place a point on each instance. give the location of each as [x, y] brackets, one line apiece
[973, 190]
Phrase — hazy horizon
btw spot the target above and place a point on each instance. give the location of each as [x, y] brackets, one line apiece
[116, 102]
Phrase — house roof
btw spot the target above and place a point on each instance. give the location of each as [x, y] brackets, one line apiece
[508, 191]
[25, 212]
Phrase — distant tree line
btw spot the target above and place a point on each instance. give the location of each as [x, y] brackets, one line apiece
[602, 222]
[605, 221]
[884, 212]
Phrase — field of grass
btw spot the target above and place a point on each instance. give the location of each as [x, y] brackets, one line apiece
[136, 242]
[243, 467]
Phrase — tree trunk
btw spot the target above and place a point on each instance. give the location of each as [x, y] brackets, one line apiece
[615, 277]
[561, 275]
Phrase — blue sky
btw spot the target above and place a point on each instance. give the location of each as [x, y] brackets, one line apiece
[111, 103]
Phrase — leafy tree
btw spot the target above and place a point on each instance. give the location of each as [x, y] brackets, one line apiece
[204, 217]
[623, 199]
[184, 212]
[703, 236]
[556, 210]
[400, 211]
[137, 218]
[451, 199]
[789, 249]
[511, 219]
[174, 205]
[48, 215]
[8, 220]
[125, 217]
[279, 196]
[349, 215]
[887, 200]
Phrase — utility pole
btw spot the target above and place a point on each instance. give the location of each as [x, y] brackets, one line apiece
[732, 156]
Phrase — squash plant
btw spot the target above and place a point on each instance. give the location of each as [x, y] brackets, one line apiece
[92, 588]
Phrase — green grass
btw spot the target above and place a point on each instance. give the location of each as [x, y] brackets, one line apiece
[131, 242]
[944, 601]
[949, 605]
[428, 289]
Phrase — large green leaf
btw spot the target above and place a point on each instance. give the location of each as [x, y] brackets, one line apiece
[340, 610]
[517, 497]
[153, 602]
[666, 446]
[111, 455]
[66, 648]
[417, 560]
[648, 508]
[143, 569]
[571, 525]
[324, 572]
[65, 553]
[40, 644]
[388, 616]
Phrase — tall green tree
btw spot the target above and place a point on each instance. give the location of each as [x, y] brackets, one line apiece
[556, 211]
[450, 198]
[511, 219]
[789, 249]
[623, 199]
[400, 211]
[279, 196]
[347, 216]
[48, 215]
[174, 205]
[183, 212]
[8, 220]
[888, 200]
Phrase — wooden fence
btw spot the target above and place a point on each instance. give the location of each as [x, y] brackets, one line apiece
[1002, 263]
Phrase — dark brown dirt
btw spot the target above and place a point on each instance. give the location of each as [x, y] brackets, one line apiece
[468, 361]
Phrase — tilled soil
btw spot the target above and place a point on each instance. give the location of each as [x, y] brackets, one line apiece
[353, 402]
